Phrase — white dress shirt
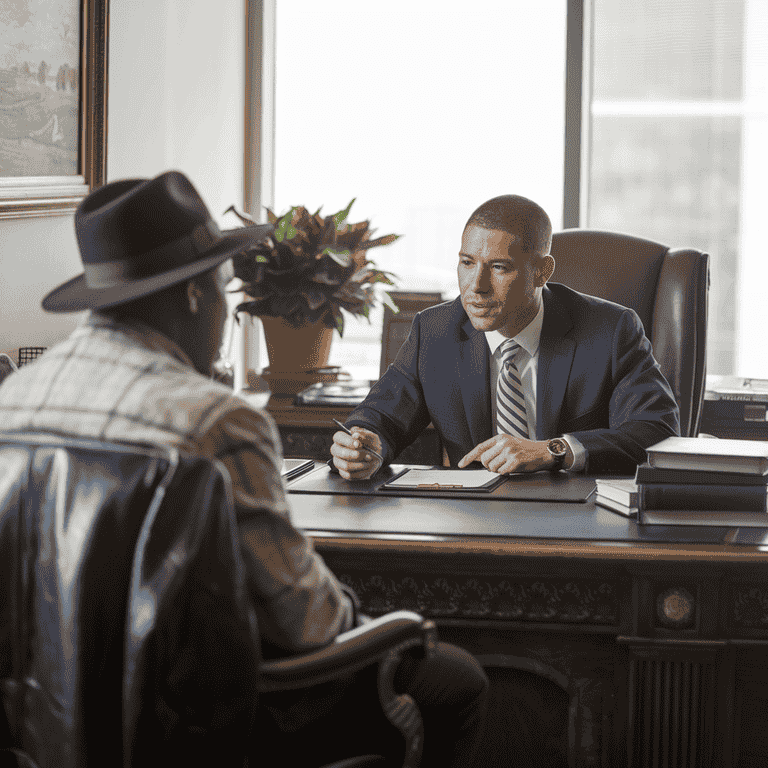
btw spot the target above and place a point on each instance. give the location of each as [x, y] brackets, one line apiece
[527, 363]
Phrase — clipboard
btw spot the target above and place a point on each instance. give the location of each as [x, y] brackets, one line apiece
[439, 480]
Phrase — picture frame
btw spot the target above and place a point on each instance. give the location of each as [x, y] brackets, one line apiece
[32, 128]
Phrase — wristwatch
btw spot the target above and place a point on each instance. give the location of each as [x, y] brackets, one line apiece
[558, 450]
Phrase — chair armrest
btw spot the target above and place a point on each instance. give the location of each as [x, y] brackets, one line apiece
[349, 652]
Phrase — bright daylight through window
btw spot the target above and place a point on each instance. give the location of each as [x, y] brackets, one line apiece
[422, 110]
[679, 154]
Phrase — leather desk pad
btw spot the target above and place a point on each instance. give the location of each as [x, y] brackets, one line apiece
[540, 486]
[360, 509]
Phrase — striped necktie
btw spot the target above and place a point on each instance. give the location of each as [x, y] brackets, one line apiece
[510, 402]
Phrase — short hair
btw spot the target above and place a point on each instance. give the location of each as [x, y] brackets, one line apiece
[518, 216]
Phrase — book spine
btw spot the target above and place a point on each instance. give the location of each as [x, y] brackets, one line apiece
[648, 474]
[738, 498]
[640, 504]
[615, 506]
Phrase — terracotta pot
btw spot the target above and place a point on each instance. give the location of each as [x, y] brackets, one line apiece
[296, 349]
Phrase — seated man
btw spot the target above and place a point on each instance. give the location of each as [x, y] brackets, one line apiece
[516, 374]
[139, 370]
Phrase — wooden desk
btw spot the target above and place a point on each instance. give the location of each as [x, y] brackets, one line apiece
[657, 637]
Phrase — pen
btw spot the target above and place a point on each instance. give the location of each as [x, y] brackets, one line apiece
[349, 432]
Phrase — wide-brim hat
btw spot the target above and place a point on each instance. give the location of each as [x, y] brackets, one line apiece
[138, 236]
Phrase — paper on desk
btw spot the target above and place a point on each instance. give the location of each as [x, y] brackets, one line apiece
[444, 478]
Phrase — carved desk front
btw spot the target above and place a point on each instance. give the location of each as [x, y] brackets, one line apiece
[655, 637]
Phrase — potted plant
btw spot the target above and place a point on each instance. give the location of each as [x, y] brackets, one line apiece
[301, 276]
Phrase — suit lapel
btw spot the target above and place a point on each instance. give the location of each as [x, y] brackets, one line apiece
[556, 351]
[475, 382]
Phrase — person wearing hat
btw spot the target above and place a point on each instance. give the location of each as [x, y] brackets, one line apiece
[155, 267]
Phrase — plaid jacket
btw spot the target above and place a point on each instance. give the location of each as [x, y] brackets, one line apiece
[129, 383]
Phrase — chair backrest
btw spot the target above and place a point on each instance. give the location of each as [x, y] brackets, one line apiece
[667, 287]
[29, 354]
[7, 367]
[127, 636]
[396, 325]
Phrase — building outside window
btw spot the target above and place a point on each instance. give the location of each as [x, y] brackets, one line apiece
[678, 90]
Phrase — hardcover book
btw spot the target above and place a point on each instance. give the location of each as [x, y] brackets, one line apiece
[717, 518]
[645, 473]
[736, 498]
[742, 456]
[616, 506]
[621, 489]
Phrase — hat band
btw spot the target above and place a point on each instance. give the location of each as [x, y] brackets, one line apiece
[178, 253]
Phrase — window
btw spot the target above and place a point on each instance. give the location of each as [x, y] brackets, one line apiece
[678, 129]
[421, 111]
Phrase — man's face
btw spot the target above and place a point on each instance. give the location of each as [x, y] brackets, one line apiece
[498, 281]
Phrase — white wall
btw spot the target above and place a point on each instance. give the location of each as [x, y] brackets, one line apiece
[176, 100]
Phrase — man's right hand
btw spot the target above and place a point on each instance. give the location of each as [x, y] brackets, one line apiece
[350, 456]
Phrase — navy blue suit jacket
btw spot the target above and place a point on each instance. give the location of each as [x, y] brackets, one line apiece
[597, 380]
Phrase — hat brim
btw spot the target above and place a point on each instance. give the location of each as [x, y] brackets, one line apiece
[76, 296]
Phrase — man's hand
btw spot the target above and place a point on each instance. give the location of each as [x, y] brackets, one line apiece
[504, 454]
[350, 456]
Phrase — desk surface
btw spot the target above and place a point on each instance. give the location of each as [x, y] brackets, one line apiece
[527, 527]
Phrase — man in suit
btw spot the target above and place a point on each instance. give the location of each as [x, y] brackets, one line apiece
[516, 374]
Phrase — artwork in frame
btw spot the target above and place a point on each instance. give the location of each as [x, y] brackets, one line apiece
[53, 104]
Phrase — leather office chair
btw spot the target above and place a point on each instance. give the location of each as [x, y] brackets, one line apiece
[126, 635]
[667, 287]
[396, 326]
[7, 367]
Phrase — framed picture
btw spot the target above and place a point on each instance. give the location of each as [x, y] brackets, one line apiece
[53, 104]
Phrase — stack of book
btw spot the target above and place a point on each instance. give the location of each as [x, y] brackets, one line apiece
[695, 481]
[618, 494]
[704, 481]
[338, 393]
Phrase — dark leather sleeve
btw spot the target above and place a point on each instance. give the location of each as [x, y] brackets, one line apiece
[395, 407]
[641, 412]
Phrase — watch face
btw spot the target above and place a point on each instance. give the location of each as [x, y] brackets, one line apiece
[557, 448]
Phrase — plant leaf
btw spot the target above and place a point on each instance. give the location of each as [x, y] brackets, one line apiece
[387, 299]
[339, 318]
[340, 217]
[244, 217]
[284, 228]
[383, 240]
[340, 257]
